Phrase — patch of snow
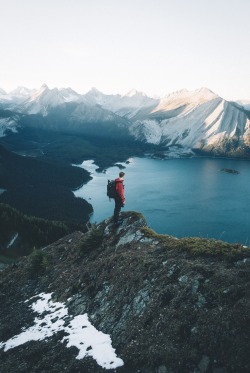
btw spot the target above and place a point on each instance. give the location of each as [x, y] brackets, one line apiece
[175, 152]
[44, 99]
[12, 240]
[80, 333]
[198, 120]
[125, 106]
[91, 342]
[7, 124]
[2, 190]
[134, 92]
[150, 129]
[69, 94]
[21, 94]
[185, 97]
[3, 95]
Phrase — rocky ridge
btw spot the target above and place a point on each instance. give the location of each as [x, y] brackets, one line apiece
[168, 304]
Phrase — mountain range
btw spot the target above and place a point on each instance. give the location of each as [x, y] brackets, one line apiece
[145, 302]
[183, 121]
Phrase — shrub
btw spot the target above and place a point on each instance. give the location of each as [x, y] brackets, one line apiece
[92, 239]
[38, 262]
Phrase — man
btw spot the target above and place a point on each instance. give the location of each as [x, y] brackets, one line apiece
[119, 199]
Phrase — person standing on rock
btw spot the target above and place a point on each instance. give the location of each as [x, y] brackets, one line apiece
[119, 198]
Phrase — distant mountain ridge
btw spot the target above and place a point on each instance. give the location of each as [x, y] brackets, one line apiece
[197, 120]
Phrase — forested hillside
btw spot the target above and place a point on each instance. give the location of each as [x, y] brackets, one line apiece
[72, 148]
[42, 188]
[20, 234]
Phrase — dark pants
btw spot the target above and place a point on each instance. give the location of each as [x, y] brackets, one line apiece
[118, 206]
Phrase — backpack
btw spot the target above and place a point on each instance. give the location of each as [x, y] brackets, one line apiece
[111, 189]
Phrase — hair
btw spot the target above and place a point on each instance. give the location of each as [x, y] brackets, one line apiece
[121, 174]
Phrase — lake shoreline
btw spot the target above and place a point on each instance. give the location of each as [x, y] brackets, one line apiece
[185, 198]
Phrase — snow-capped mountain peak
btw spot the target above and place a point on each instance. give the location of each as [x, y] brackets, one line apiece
[206, 93]
[69, 94]
[95, 91]
[94, 95]
[3, 95]
[201, 93]
[198, 119]
[44, 99]
[44, 88]
[21, 92]
[134, 92]
[2, 92]
[184, 97]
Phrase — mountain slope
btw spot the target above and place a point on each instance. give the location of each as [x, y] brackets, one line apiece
[19, 233]
[44, 99]
[9, 122]
[42, 188]
[126, 106]
[194, 121]
[167, 304]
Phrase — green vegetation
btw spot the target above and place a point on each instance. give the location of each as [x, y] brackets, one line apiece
[31, 231]
[43, 188]
[42, 185]
[71, 148]
[6, 260]
[38, 262]
[199, 246]
[92, 240]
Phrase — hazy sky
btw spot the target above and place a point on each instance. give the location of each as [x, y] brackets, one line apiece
[156, 46]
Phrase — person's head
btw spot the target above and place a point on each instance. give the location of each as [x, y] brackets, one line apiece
[121, 175]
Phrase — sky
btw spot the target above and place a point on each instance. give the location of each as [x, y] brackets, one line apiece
[154, 46]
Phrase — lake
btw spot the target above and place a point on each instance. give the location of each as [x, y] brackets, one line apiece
[180, 197]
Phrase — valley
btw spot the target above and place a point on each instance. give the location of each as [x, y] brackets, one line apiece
[45, 132]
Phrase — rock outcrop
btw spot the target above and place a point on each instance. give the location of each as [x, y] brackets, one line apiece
[168, 304]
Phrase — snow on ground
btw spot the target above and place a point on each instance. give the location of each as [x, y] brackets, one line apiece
[80, 333]
[12, 241]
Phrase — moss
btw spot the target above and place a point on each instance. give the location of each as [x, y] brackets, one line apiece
[202, 246]
[150, 233]
[199, 246]
[133, 215]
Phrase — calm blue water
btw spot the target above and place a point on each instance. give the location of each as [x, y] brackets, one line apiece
[181, 197]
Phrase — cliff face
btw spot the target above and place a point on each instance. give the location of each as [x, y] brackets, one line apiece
[168, 305]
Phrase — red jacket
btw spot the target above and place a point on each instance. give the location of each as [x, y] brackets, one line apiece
[120, 188]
